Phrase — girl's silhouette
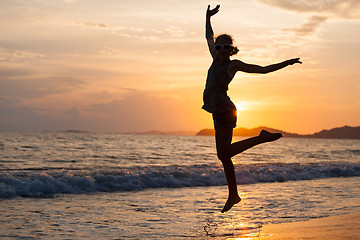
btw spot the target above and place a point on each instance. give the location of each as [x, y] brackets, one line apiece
[217, 102]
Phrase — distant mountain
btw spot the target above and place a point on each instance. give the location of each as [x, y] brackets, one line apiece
[245, 132]
[341, 132]
[345, 132]
[68, 131]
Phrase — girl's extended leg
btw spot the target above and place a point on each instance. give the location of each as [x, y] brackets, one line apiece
[243, 145]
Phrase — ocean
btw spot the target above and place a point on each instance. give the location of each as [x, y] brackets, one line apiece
[119, 186]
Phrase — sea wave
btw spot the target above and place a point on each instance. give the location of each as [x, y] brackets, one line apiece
[43, 183]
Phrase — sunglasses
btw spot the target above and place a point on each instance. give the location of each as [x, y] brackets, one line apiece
[218, 47]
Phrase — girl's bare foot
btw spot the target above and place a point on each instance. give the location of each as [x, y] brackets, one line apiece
[268, 136]
[230, 203]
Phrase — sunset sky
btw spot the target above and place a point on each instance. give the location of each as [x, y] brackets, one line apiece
[135, 65]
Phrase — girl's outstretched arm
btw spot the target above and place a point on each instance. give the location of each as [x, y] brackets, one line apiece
[238, 65]
[209, 33]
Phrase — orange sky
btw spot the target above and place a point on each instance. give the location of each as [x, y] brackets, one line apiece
[122, 66]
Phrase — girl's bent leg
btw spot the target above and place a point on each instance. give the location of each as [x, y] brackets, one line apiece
[223, 138]
[232, 186]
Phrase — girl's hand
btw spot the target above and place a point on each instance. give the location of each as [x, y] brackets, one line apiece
[295, 60]
[211, 12]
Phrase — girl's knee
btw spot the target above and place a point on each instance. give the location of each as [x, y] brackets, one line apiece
[223, 157]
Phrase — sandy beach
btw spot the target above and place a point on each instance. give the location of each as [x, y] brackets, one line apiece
[334, 227]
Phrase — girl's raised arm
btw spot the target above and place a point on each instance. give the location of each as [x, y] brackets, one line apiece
[209, 33]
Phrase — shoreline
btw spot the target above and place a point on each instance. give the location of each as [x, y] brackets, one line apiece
[332, 227]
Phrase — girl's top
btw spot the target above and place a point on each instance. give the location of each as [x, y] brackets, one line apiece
[215, 95]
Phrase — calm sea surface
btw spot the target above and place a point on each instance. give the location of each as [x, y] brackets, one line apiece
[68, 185]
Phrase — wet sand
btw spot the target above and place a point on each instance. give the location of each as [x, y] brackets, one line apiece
[334, 227]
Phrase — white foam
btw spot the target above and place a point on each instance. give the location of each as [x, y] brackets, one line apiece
[50, 182]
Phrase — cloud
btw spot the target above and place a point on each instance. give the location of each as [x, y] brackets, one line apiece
[18, 56]
[309, 27]
[322, 10]
[166, 31]
[135, 111]
[37, 87]
[34, 119]
[139, 111]
[14, 72]
[107, 26]
[73, 112]
[348, 9]
[92, 24]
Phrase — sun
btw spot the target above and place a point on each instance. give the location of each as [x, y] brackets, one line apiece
[240, 106]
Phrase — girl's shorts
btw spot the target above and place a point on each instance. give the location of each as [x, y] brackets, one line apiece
[225, 119]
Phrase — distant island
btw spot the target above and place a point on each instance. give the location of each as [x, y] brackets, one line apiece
[345, 132]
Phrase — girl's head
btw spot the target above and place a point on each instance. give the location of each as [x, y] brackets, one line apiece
[225, 42]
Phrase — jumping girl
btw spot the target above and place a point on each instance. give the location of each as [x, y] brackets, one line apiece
[218, 103]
